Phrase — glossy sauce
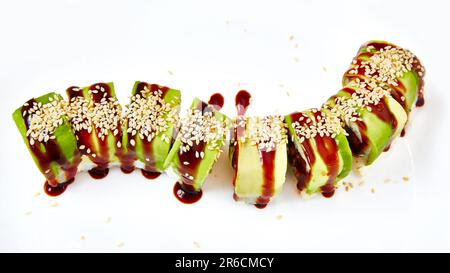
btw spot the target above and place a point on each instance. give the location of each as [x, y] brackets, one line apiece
[184, 190]
[242, 101]
[302, 166]
[217, 101]
[150, 174]
[397, 91]
[327, 150]
[268, 167]
[58, 190]
[102, 158]
[361, 146]
[186, 194]
[149, 171]
[52, 154]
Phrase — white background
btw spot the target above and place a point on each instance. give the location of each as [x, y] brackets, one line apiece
[203, 47]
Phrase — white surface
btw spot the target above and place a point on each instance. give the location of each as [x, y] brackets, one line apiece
[222, 46]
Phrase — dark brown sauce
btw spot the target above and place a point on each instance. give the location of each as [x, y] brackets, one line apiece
[52, 154]
[268, 167]
[149, 171]
[302, 166]
[328, 151]
[217, 101]
[102, 156]
[186, 194]
[58, 190]
[150, 174]
[127, 169]
[98, 173]
[382, 111]
[193, 160]
[397, 91]
[242, 101]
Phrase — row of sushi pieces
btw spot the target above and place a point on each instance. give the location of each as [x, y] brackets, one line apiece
[89, 132]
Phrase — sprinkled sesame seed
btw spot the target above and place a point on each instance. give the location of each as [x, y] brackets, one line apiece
[198, 126]
[149, 114]
[265, 132]
[43, 119]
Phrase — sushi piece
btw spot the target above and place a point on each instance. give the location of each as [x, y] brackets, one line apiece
[393, 66]
[258, 155]
[95, 116]
[372, 118]
[47, 133]
[318, 150]
[149, 123]
[198, 145]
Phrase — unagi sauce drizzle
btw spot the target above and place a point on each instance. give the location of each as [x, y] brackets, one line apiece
[242, 101]
[184, 190]
[399, 90]
[52, 154]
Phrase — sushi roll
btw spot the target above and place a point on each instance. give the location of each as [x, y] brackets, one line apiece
[198, 145]
[258, 155]
[393, 66]
[318, 150]
[46, 131]
[371, 117]
[95, 115]
[149, 123]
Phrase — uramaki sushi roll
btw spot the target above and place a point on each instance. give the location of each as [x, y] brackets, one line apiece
[393, 66]
[372, 118]
[258, 154]
[318, 150]
[47, 133]
[149, 122]
[95, 115]
[198, 145]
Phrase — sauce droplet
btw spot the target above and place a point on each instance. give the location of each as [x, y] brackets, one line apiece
[242, 101]
[216, 100]
[98, 173]
[150, 174]
[184, 195]
[260, 206]
[127, 169]
[58, 190]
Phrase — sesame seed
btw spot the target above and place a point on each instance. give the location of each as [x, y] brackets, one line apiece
[132, 142]
[43, 119]
[149, 114]
[201, 126]
[265, 132]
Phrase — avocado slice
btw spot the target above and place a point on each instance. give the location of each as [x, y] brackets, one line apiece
[46, 131]
[393, 66]
[318, 150]
[95, 115]
[198, 145]
[371, 116]
[259, 158]
[149, 123]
